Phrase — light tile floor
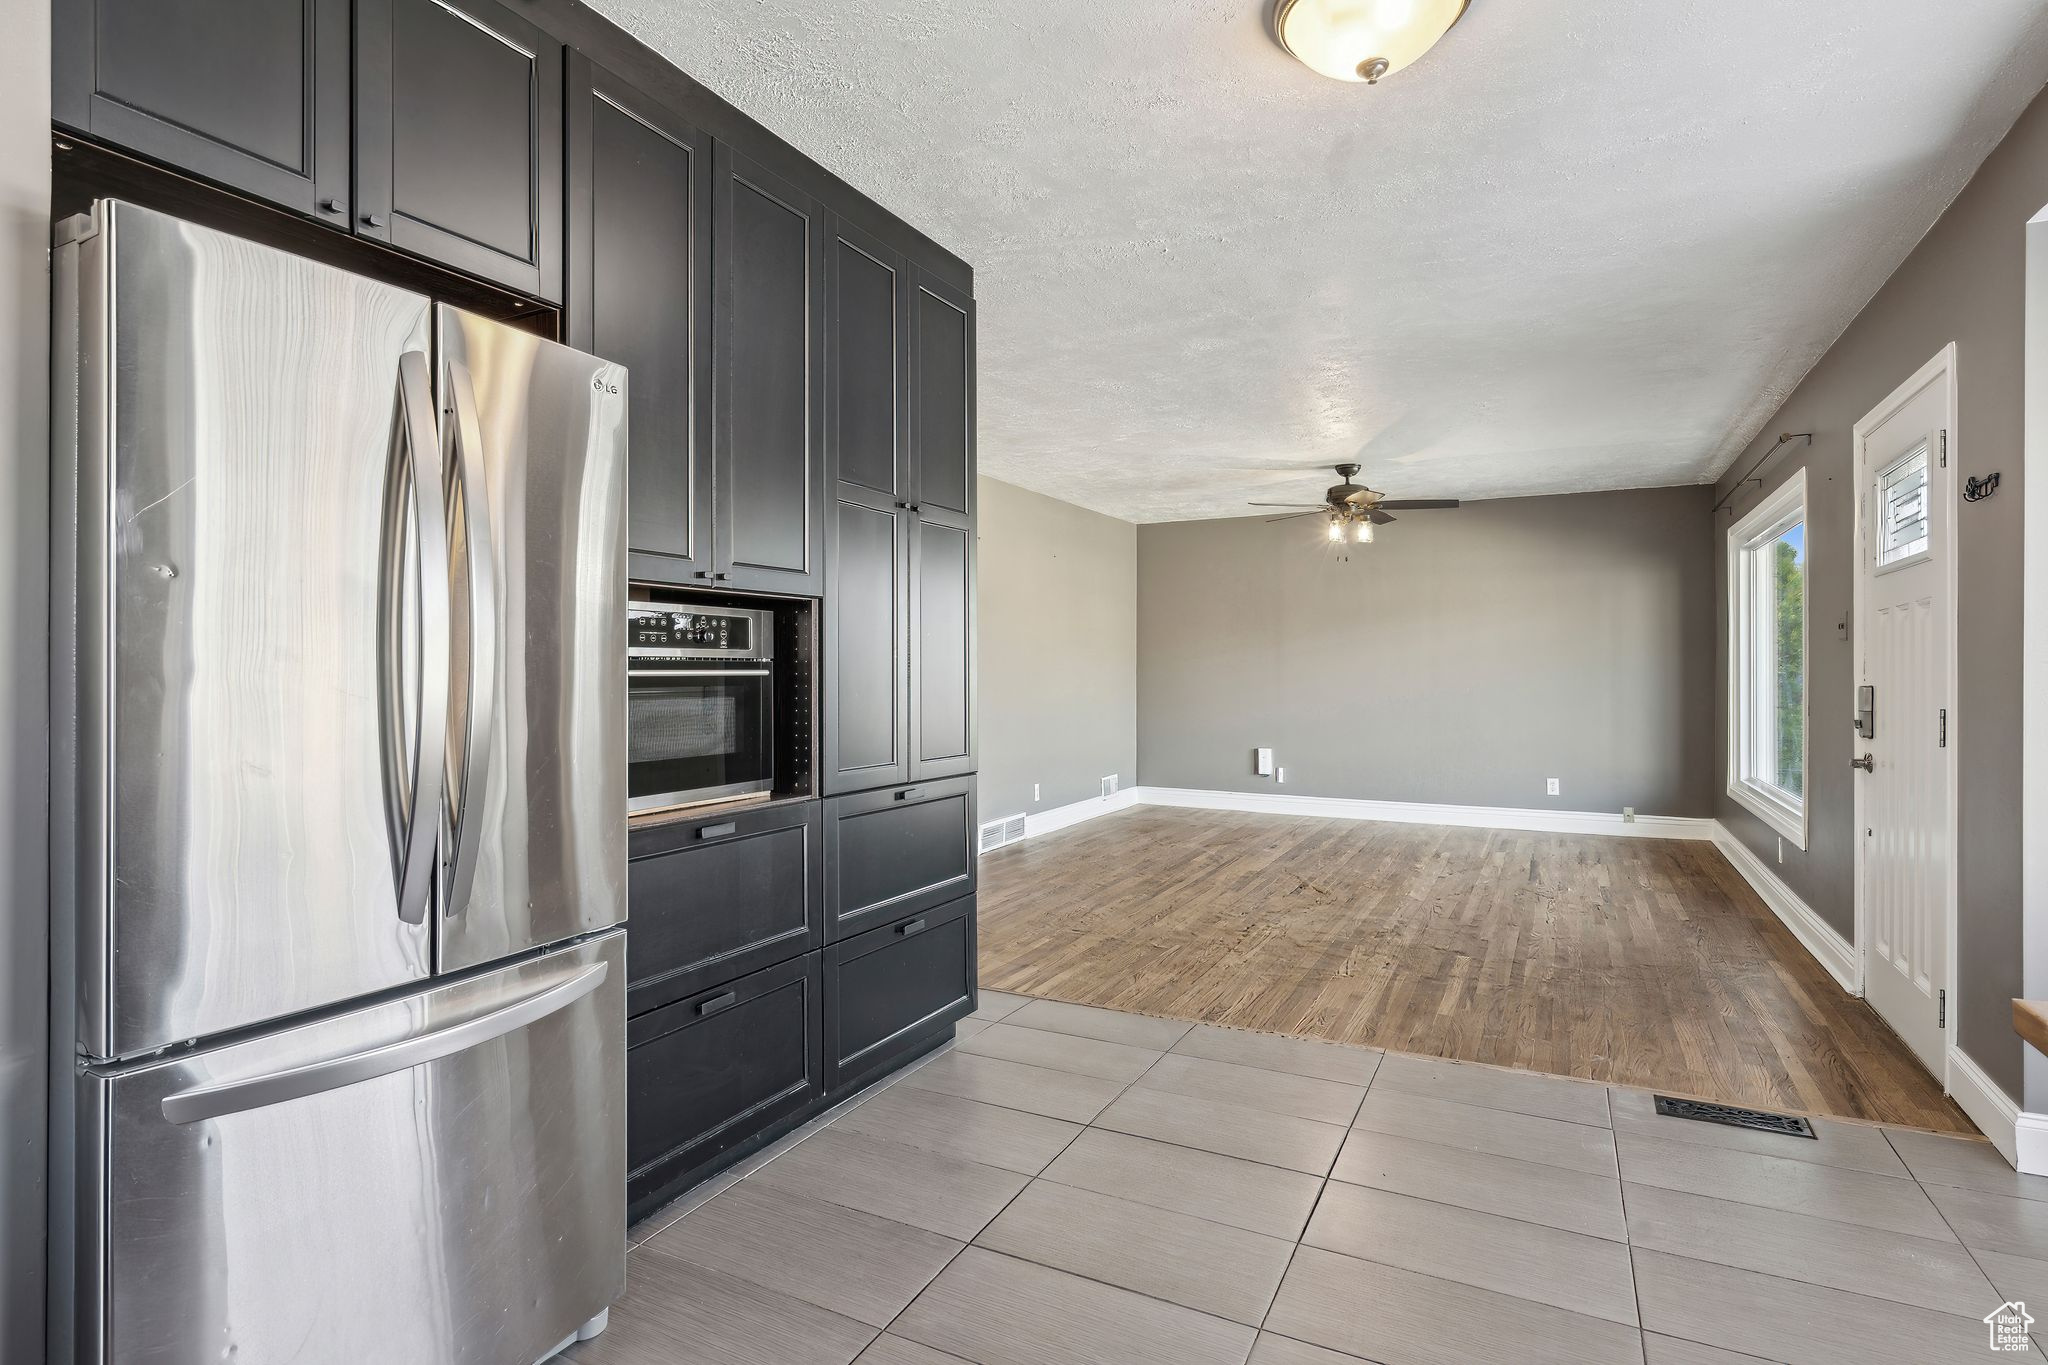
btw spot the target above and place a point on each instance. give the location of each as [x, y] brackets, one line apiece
[1068, 1185]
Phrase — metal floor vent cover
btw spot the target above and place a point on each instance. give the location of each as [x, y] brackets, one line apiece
[1761, 1120]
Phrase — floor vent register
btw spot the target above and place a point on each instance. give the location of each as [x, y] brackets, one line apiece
[1763, 1121]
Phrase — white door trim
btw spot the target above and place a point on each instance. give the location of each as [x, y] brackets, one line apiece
[1942, 367]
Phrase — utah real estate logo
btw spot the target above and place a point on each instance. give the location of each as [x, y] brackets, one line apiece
[2008, 1324]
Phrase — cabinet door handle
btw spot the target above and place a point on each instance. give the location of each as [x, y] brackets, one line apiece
[331, 206]
[909, 927]
[373, 220]
[719, 831]
[910, 794]
[716, 1003]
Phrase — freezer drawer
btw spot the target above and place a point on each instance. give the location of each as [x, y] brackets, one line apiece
[436, 1179]
[891, 992]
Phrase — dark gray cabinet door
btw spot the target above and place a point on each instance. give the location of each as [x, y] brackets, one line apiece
[867, 366]
[767, 381]
[896, 991]
[640, 294]
[941, 648]
[942, 403]
[867, 635]
[888, 853]
[458, 131]
[253, 94]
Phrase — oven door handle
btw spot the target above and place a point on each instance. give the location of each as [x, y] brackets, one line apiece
[698, 673]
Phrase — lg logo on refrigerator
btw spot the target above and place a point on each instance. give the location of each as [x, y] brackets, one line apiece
[602, 386]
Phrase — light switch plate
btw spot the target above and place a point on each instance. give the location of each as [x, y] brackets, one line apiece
[1262, 762]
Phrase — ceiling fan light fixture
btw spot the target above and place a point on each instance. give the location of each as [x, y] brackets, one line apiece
[1365, 531]
[1362, 40]
[1337, 529]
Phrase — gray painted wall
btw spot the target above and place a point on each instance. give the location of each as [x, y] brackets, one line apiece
[1058, 639]
[24, 665]
[1964, 283]
[1463, 658]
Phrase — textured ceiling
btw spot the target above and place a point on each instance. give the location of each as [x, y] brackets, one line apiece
[1580, 245]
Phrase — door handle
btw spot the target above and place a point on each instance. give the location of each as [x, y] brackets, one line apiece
[909, 927]
[411, 770]
[212, 1101]
[719, 831]
[468, 778]
[1867, 763]
[723, 1001]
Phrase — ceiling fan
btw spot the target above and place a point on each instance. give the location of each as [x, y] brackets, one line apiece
[1355, 506]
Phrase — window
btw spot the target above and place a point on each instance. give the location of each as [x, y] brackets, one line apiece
[1767, 648]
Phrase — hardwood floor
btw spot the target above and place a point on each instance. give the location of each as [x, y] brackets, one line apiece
[1630, 961]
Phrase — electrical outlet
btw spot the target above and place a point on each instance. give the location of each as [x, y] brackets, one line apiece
[1628, 815]
[1280, 775]
[1550, 787]
[1109, 785]
[1034, 791]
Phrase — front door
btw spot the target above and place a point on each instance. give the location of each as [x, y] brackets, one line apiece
[1906, 650]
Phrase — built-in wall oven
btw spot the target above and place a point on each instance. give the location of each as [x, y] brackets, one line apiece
[700, 722]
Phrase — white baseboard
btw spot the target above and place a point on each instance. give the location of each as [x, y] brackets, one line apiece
[1423, 813]
[1060, 817]
[1828, 946]
[1996, 1115]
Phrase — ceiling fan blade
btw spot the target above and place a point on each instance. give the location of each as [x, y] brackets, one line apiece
[1308, 506]
[1421, 504]
[1293, 515]
[1378, 517]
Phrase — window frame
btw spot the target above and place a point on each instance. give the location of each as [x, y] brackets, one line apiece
[1783, 508]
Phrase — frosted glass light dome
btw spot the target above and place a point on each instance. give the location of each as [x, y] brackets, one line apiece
[1362, 40]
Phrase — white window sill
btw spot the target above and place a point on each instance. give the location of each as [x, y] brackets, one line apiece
[1774, 810]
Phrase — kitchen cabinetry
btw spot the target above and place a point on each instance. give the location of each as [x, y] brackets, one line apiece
[640, 194]
[891, 852]
[458, 134]
[453, 109]
[712, 1073]
[899, 689]
[253, 94]
[768, 381]
[890, 991]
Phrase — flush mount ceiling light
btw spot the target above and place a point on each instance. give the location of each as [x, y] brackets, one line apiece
[1362, 40]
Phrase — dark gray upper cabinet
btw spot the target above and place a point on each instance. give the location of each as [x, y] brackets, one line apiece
[640, 294]
[253, 94]
[458, 138]
[867, 427]
[768, 381]
[941, 649]
[867, 623]
[942, 403]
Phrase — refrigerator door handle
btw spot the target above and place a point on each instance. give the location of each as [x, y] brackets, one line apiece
[469, 771]
[413, 805]
[256, 1092]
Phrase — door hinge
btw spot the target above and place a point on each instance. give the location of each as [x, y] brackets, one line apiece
[1944, 449]
[1943, 743]
[1941, 1010]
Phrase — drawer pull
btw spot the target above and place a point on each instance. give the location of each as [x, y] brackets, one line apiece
[910, 926]
[910, 794]
[716, 1003]
[719, 831]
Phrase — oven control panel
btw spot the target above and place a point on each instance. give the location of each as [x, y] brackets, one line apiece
[659, 630]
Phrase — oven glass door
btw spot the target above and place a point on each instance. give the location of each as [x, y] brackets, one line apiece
[697, 732]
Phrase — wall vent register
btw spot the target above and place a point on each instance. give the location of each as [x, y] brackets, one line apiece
[998, 833]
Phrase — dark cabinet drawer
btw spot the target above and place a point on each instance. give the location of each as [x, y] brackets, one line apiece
[888, 853]
[890, 990]
[712, 899]
[711, 1071]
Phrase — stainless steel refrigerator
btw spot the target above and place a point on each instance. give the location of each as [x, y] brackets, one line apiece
[339, 802]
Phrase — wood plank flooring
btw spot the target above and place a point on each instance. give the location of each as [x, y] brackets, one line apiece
[1629, 961]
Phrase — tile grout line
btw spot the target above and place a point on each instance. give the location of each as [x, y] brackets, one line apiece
[1968, 1250]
